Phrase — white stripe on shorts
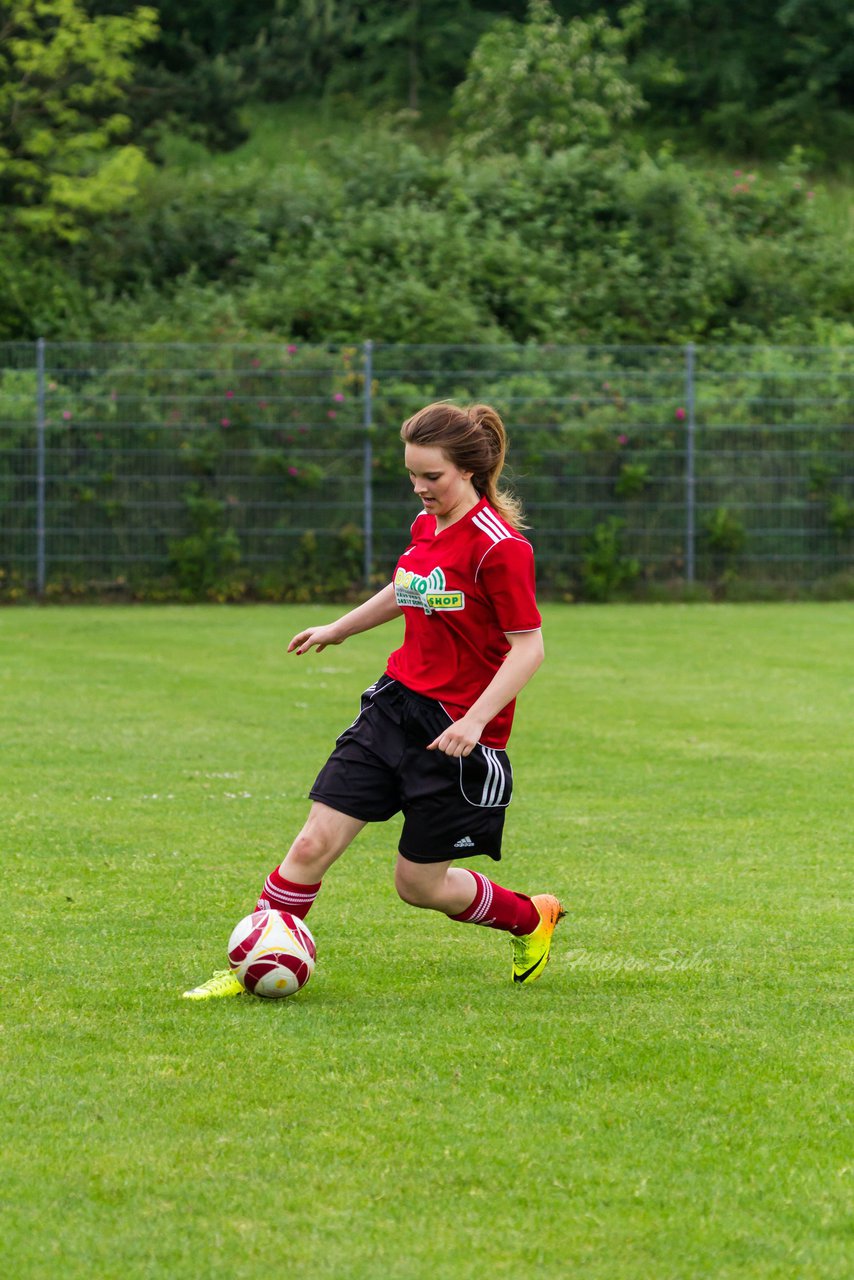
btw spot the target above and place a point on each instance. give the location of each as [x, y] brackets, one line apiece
[496, 779]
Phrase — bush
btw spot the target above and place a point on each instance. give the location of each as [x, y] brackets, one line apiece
[388, 241]
[546, 84]
[605, 568]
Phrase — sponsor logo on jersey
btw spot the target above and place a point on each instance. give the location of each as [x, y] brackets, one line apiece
[413, 591]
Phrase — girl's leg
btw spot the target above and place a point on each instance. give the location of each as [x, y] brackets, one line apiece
[471, 898]
[295, 883]
[464, 895]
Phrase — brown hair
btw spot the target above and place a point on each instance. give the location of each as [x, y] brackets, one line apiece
[474, 440]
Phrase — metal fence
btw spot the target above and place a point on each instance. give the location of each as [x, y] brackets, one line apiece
[276, 471]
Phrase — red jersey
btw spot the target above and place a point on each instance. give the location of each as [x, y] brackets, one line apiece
[460, 590]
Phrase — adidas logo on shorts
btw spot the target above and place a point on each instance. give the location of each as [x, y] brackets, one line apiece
[465, 843]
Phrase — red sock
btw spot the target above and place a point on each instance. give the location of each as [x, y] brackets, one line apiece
[498, 908]
[286, 895]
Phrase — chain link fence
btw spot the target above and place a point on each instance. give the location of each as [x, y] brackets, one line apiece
[168, 471]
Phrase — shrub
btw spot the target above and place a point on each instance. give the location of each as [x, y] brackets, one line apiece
[605, 569]
[546, 84]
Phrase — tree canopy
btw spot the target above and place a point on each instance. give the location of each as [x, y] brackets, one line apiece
[763, 76]
[62, 80]
[547, 83]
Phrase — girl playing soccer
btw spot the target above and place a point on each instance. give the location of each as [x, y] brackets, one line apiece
[430, 738]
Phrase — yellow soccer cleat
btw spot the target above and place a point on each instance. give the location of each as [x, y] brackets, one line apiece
[223, 983]
[531, 951]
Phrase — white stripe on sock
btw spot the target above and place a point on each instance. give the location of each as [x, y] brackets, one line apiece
[486, 903]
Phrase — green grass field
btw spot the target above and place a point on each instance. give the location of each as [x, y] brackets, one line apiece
[667, 1102]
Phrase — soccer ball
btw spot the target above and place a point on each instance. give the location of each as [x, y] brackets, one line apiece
[272, 953]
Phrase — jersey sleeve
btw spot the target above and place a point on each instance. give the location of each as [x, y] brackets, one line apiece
[506, 574]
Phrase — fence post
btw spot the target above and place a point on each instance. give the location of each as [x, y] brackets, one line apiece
[41, 568]
[690, 477]
[368, 461]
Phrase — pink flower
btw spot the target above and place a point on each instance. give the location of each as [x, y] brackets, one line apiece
[293, 471]
[66, 413]
[229, 395]
[339, 396]
[332, 414]
[810, 195]
[256, 363]
[736, 173]
[225, 422]
[680, 415]
[292, 350]
[622, 439]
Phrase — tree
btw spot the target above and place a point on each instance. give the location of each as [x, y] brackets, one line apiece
[757, 77]
[546, 83]
[62, 80]
[400, 52]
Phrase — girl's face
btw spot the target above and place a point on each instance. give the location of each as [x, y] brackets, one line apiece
[446, 492]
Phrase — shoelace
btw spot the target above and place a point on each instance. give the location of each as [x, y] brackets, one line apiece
[218, 979]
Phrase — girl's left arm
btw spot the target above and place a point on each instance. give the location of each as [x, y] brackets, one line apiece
[525, 656]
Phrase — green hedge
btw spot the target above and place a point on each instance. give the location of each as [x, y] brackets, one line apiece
[390, 240]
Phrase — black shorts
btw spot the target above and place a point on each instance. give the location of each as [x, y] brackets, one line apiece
[452, 808]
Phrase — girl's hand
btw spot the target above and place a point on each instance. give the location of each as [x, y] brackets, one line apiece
[319, 636]
[459, 739]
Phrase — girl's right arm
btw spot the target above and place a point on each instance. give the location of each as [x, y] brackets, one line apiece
[379, 609]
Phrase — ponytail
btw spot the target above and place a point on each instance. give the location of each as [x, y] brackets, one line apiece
[473, 440]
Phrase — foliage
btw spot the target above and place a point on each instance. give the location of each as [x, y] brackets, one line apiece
[386, 240]
[546, 84]
[63, 78]
[605, 568]
[384, 51]
[756, 79]
[237, 472]
[202, 102]
[840, 515]
[725, 537]
[205, 558]
[41, 292]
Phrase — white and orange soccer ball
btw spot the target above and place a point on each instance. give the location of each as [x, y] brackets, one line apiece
[272, 953]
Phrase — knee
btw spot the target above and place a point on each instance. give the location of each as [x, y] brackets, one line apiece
[308, 850]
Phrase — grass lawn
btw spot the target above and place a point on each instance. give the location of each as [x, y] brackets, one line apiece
[667, 1102]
